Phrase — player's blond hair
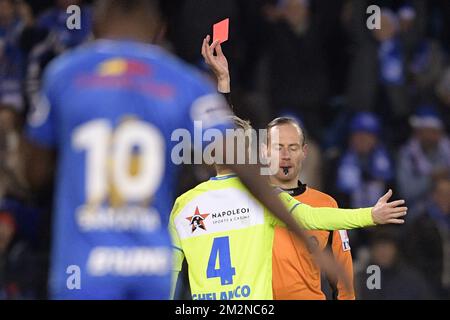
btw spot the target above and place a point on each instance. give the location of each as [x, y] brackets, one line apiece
[241, 123]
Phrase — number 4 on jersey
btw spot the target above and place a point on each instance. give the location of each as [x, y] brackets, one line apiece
[221, 250]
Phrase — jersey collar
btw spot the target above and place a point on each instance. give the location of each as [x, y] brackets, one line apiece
[224, 176]
[300, 189]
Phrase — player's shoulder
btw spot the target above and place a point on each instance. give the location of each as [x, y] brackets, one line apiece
[211, 185]
[323, 197]
[191, 194]
[188, 76]
[167, 63]
[174, 64]
[285, 197]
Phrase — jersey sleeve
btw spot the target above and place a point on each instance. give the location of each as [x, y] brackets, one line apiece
[325, 218]
[331, 218]
[41, 122]
[178, 254]
[289, 203]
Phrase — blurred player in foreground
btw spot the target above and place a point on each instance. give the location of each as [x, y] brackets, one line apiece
[104, 121]
[226, 235]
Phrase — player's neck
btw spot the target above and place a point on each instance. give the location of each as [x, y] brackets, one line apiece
[124, 36]
[291, 184]
[128, 32]
[222, 170]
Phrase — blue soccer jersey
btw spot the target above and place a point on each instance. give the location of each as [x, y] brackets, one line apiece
[111, 110]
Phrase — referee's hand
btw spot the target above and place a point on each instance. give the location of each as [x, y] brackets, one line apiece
[218, 63]
[385, 212]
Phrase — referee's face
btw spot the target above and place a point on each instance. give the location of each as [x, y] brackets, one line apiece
[289, 150]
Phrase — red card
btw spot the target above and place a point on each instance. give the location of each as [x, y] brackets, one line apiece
[220, 30]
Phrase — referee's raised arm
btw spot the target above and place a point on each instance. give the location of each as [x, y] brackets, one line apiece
[219, 66]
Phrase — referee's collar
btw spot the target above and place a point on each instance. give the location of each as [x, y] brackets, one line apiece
[300, 189]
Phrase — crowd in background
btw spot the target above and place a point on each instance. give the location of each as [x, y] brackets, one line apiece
[375, 105]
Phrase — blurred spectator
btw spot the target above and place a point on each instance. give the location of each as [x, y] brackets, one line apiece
[12, 180]
[50, 28]
[443, 94]
[392, 66]
[377, 67]
[443, 87]
[438, 23]
[426, 155]
[22, 266]
[12, 59]
[425, 70]
[390, 57]
[427, 241]
[17, 267]
[297, 70]
[365, 169]
[48, 36]
[397, 280]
